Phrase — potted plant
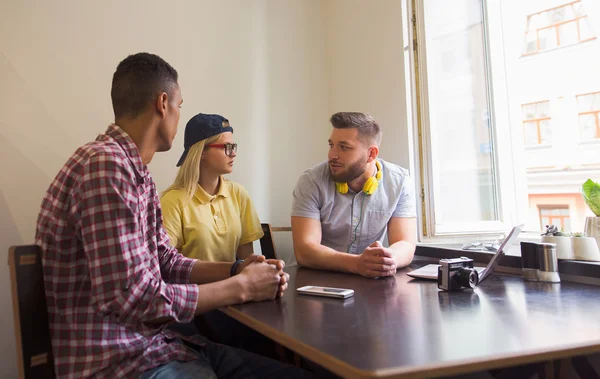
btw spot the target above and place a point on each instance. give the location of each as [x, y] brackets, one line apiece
[591, 194]
[562, 240]
[585, 248]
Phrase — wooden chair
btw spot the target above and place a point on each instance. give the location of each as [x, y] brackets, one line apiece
[268, 250]
[266, 243]
[32, 331]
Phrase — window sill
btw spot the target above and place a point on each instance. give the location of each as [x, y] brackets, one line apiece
[456, 241]
[585, 42]
[590, 142]
[542, 146]
[479, 256]
[576, 271]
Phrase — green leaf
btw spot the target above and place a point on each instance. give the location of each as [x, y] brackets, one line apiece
[591, 194]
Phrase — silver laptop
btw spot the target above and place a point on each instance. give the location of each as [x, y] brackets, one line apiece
[431, 271]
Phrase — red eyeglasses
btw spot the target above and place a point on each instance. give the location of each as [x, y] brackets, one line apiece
[230, 148]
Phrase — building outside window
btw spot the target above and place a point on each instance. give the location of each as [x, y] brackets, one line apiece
[563, 25]
[536, 123]
[555, 215]
[505, 133]
[589, 115]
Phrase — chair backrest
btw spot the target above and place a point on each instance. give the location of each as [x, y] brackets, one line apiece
[266, 243]
[32, 331]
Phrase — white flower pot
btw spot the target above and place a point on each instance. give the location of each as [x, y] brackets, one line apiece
[592, 228]
[585, 249]
[564, 248]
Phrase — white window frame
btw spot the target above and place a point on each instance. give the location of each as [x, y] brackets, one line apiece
[509, 170]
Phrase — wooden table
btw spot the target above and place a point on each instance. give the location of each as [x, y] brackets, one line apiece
[400, 327]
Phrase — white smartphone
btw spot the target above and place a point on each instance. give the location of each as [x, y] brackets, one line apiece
[339, 293]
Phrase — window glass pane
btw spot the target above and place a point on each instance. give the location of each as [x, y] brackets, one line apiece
[557, 215]
[557, 15]
[458, 168]
[543, 20]
[595, 102]
[578, 9]
[558, 222]
[531, 134]
[463, 167]
[533, 23]
[585, 29]
[543, 109]
[587, 123]
[568, 13]
[545, 131]
[568, 33]
[529, 112]
[530, 42]
[547, 38]
[584, 103]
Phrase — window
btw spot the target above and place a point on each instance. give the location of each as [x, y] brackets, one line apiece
[564, 25]
[588, 106]
[459, 104]
[555, 215]
[476, 127]
[462, 153]
[536, 123]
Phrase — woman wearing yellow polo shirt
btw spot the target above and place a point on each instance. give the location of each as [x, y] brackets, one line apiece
[211, 218]
[206, 216]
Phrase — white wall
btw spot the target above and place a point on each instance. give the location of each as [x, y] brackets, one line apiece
[276, 68]
[557, 75]
[259, 63]
[366, 68]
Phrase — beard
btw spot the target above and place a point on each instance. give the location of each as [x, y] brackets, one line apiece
[355, 170]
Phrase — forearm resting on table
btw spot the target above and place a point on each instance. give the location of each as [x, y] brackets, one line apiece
[220, 294]
[213, 296]
[309, 251]
[315, 255]
[404, 252]
[209, 272]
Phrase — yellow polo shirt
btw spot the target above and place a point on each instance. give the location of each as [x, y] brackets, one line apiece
[208, 227]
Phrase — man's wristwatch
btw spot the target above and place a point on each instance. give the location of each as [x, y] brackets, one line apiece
[234, 267]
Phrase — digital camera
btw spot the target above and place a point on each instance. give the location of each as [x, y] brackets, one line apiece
[457, 273]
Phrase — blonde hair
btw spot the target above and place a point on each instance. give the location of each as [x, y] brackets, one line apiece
[189, 172]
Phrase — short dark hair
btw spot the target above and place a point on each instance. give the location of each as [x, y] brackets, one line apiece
[139, 78]
[368, 129]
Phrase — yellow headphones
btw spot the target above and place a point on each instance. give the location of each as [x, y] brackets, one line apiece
[370, 185]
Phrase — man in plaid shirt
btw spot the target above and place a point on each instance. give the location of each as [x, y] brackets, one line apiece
[113, 281]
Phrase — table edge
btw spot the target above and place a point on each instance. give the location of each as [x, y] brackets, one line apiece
[344, 369]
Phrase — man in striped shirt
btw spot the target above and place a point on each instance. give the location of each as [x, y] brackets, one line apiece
[113, 281]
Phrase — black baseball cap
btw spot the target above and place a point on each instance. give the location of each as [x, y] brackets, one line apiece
[200, 127]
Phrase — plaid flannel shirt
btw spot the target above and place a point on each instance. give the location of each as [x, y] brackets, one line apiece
[109, 267]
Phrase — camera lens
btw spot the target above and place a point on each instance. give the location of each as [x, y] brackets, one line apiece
[467, 277]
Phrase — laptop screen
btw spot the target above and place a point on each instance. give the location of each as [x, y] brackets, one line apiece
[509, 240]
